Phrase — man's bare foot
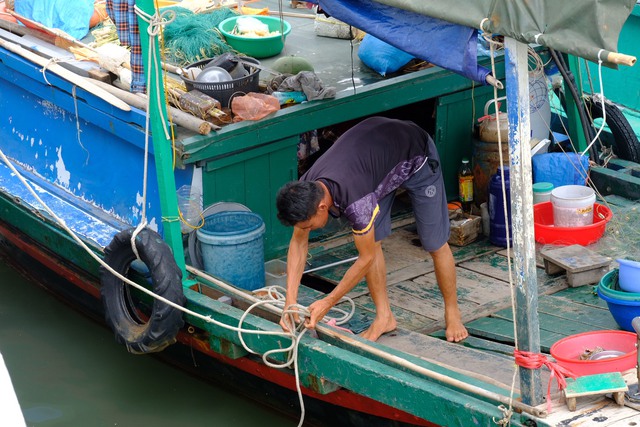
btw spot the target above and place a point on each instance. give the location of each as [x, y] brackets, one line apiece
[380, 326]
[455, 330]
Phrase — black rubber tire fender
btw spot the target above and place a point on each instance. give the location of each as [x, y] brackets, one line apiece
[164, 321]
[626, 142]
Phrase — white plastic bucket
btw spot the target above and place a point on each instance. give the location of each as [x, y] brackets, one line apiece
[572, 205]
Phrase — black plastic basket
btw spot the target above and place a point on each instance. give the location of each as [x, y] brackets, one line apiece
[224, 91]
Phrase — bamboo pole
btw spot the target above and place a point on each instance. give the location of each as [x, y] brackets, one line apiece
[396, 360]
[66, 74]
[179, 117]
[64, 40]
[620, 59]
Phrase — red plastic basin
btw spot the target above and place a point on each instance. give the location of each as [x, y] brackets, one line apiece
[547, 233]
[567, 352]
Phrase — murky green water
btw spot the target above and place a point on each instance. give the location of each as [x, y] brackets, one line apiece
[68, 371]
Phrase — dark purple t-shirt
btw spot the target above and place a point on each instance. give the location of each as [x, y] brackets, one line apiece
[368, 162]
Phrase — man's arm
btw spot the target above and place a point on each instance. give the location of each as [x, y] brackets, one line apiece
[296, 261]
[366, 246]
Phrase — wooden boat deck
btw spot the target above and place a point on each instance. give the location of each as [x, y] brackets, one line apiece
[484, 298]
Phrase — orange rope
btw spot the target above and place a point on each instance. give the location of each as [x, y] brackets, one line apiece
[529, 360]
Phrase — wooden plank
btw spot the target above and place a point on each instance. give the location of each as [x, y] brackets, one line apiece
[501, 330]
[595, 384]
[574, 258]
[406, 319]
[585, 295]
[480, 344]
[596, 317]
[550, 323]
[410, 272]
[479, 247]
[496, 266]
[472, 286]
[493, 369]
[539, 260]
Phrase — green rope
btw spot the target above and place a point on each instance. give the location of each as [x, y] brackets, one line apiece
[192, 37]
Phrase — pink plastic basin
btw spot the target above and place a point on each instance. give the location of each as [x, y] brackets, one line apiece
[567, 352]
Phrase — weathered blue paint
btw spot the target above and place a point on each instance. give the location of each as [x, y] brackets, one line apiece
[95, 156]
[524, 261]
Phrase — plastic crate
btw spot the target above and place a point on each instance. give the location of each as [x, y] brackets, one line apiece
[224, 91]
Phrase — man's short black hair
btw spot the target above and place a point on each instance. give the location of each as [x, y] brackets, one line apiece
[298, 201]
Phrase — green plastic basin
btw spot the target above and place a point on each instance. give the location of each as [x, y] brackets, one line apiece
[257, 47]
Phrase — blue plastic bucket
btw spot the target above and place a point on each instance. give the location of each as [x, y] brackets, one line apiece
[232, 248]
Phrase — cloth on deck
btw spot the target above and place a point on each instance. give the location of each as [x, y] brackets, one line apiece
[309, 83]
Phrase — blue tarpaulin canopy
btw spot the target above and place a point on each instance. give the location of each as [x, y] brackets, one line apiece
[447, 45]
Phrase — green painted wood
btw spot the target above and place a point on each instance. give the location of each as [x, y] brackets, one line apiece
[479, 247]
[452, 110]
[598, 383]
[501, 330]
[43, 230]
[621, 83]
[407, 319]
[496, 265]
[349, 369]
[574, 126]
[476, 343]
[371, 99]
[162, 147]
[615, 200]
[226, 348]
[594, 317]
[584, 295]
[422, 347]
[552, 323]
[253, 179]
[613, 181]
[424, 398]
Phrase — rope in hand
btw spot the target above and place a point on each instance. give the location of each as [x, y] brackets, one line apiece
[529, 360]
[275, 296]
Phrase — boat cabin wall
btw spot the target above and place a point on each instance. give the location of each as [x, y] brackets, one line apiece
[251, 166]
[79, 146]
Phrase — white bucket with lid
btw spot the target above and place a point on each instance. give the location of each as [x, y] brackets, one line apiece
[573, 205]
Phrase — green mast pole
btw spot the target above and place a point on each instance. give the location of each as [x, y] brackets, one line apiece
[161, 144]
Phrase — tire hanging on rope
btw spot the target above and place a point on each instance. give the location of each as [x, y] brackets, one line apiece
[626, 145]
[164, 322]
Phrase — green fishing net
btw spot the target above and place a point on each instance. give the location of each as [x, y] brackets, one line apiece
[192, 37]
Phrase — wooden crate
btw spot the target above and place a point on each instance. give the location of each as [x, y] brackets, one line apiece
[465, 228]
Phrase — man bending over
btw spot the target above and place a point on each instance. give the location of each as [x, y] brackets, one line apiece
[357, 178]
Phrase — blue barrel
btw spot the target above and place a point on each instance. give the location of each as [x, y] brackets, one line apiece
[498, 228]
[232, 248]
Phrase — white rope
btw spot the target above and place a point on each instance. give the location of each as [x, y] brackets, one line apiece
[78, 130]
[604, 111]
[52, 60]
[506, 420]
[276, 298]
[482, 23]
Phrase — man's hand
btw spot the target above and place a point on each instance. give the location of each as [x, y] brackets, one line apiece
[286, 319]
[317, 311]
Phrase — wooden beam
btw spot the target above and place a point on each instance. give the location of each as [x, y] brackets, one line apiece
[524, 259]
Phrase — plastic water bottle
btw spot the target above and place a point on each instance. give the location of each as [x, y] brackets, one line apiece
[498, 227]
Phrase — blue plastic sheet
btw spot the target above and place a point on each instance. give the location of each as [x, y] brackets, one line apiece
[70, 16]
[560, 168]
[447, 45]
